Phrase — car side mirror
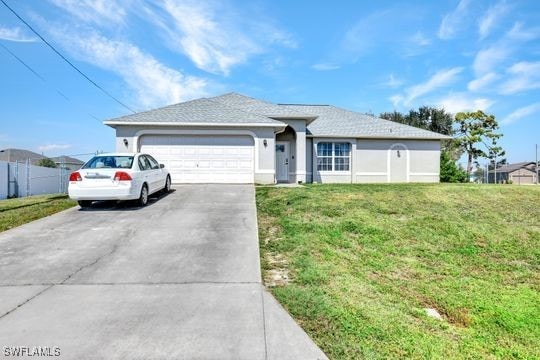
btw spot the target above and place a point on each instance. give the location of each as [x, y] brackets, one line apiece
[161, 166]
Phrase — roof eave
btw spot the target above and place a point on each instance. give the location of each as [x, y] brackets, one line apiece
[112, 124]
[380, 137]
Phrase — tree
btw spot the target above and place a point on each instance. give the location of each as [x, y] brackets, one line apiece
[429, 118]
[479, 174]
[46, 163]
[394, 116]
[450, 171]
[476, 134]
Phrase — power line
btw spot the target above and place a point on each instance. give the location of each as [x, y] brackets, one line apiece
[65, 59]
[41, 77]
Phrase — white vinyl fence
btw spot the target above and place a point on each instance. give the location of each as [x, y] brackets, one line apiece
[20, 179]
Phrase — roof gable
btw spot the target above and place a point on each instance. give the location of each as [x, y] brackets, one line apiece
[199, 111]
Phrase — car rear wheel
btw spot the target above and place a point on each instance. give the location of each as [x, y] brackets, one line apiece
[167, 187]
[84, 204]
[143, 198]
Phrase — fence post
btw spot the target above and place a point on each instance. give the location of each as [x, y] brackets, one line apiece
[28, 177]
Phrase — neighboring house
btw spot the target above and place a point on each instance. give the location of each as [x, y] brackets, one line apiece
[67, 162]
[20, 155]
[518, 173]
[237, 139]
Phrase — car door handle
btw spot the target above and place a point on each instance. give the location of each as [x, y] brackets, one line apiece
[286, 161]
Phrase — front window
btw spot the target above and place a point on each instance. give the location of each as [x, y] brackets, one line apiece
[333, 156]
[109, 162]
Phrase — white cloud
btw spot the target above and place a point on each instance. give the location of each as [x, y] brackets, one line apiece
[519, 33]
[15, 34]
[486, 59]
[50, 147]
[325, 67]
[482, 82]
[492, 15]
[392, 82]
[523, 76]
[453, 21]
[440, 79]
[101, 12]
[154, 83]
[458, 102]
[214, 36]
[420, 39]
[521, 113]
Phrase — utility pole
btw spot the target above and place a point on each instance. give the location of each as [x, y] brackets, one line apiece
[536, 164]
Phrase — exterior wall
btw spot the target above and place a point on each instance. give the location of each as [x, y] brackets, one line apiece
[370, 161]
[264, 155]
[309, 160]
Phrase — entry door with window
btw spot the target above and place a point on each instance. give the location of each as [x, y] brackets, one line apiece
[282, 161]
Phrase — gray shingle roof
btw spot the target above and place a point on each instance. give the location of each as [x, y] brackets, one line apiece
[67, 160]
[515, 166]
[260, 107]
[333, 121]
[13, 155]
[197, 111]
[322, 120]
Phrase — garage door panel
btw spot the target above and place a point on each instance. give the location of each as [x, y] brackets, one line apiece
[203, 159]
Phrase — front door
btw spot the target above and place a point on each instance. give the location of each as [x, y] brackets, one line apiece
[282, 161]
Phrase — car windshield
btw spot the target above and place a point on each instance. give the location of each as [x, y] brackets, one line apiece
[109, 162]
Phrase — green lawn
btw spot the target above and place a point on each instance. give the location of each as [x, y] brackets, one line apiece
[364, 261]
[15, 212]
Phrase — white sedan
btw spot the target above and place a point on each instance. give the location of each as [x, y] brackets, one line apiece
[118, 176]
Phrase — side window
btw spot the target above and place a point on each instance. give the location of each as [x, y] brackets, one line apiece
[143, 163]
[153, 163]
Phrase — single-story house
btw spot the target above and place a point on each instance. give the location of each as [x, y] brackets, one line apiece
[518, 173]
[67, 162]
[21, 155]
[234, 138]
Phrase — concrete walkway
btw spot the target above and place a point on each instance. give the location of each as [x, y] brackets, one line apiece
[179, 279]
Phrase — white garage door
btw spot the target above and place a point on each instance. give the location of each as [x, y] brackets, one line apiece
[203, 159]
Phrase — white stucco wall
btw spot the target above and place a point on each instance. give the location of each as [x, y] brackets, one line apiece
[372, 162]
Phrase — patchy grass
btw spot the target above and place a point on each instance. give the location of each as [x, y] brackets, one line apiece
[15, 212]
[364, 261]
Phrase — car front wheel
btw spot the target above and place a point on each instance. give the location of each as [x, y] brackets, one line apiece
[143, 198]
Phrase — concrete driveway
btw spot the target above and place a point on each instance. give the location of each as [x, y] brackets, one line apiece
[179, 278]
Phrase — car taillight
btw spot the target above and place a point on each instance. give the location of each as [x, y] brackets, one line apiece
[122, 176]
[75, 176]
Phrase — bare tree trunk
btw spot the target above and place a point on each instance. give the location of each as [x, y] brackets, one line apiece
[469, 166]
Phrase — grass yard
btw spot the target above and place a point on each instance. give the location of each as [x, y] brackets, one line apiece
[364, 261]
[15, 212]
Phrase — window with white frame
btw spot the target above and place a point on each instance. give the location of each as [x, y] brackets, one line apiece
[333, 156]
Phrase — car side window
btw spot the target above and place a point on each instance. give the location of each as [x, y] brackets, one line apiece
[143, 163]
[153, 162]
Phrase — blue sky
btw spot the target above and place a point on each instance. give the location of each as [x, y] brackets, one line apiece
[365, 56]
